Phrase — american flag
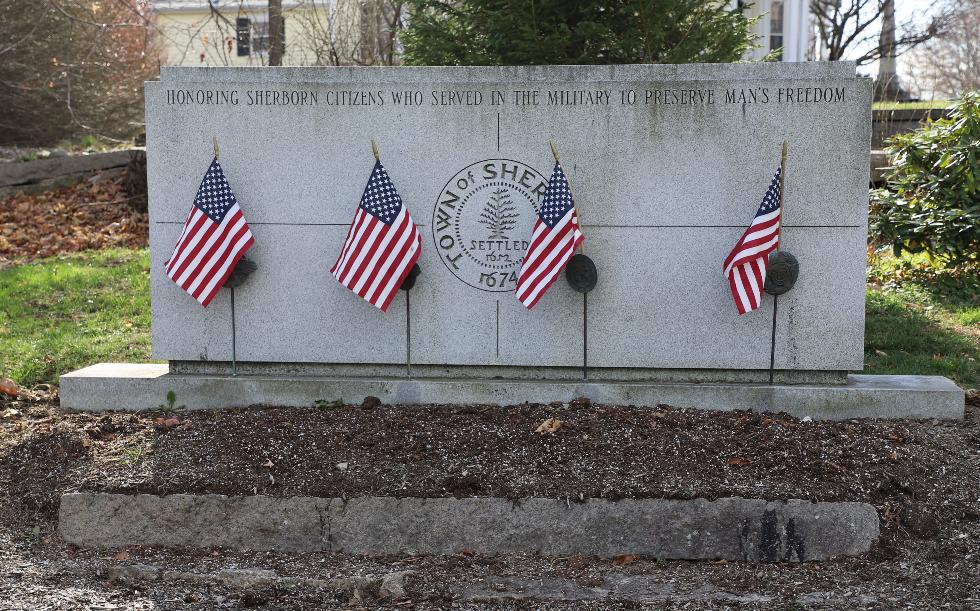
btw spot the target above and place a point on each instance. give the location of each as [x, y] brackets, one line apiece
[382, 244]
[746, 265]
[555, 237]
[214, 238]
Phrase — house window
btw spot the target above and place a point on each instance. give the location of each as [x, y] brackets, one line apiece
[260, 37]
[243, 34]
[253, 36]
[776, 28]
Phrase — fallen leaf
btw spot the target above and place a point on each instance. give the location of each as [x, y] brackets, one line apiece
[268, 464]
[881, 353]
[739, 461]
[578, 562]
[9, 413]
[166, 424]
[9, 387]
[123, 555]
[624, 560]
[549, 426]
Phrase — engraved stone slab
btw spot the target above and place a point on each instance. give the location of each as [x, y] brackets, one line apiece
[667, 165]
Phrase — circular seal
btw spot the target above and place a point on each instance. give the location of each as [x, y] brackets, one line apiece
[482, 221]
[783, 271]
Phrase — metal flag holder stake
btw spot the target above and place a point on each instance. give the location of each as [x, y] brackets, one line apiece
[407, 284]
[782, 272]
[582, 276]
[243, 269]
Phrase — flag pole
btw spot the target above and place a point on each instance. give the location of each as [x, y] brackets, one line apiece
[234, 355]
[234, 359]
[408, 297]
[585, 296]
[408, 333]
[779, 235]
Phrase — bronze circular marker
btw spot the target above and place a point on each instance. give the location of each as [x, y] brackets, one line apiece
[581, 273]
[409, 281]
[240, 274]
[783, 271]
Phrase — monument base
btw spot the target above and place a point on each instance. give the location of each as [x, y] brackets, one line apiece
[127, 386]
[509, 372]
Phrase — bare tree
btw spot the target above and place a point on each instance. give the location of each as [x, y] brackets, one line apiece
[949, 65]
[69, 67]
[353, 32]
[851, 29]
[277, 45]
[382, 21]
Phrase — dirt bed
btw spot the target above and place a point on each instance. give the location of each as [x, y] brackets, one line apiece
[923, 477]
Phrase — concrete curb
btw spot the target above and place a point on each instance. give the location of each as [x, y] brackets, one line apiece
[124, 386]
[729, 528]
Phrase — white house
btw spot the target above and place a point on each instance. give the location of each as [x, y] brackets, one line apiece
[785, 24]
[235, 32]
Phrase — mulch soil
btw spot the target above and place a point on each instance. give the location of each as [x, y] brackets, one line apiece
[95, 213]
[922, 476]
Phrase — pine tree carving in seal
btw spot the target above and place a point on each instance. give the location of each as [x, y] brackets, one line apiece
[499, 214]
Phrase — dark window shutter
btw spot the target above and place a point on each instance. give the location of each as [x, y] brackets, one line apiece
[244, 31]
[282, 30]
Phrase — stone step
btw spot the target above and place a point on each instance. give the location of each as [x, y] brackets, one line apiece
[128, 386]
[733, 528]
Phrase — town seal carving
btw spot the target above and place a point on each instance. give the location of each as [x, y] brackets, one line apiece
[482, 221]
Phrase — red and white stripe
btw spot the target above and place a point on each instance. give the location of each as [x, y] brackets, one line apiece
[549, 252]
[746, 265]
[376, 257]
[207, 252]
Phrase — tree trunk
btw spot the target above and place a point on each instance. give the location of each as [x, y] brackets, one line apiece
[276, 46]
[887, 86]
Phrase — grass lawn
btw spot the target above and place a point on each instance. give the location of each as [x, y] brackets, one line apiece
[922, 320]
[67, 312]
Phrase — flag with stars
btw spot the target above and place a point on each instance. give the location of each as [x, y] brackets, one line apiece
[214, 238]
[746, 265]
[382, 243]
[555, 237]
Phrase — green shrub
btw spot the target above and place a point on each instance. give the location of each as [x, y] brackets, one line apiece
[931, 202]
